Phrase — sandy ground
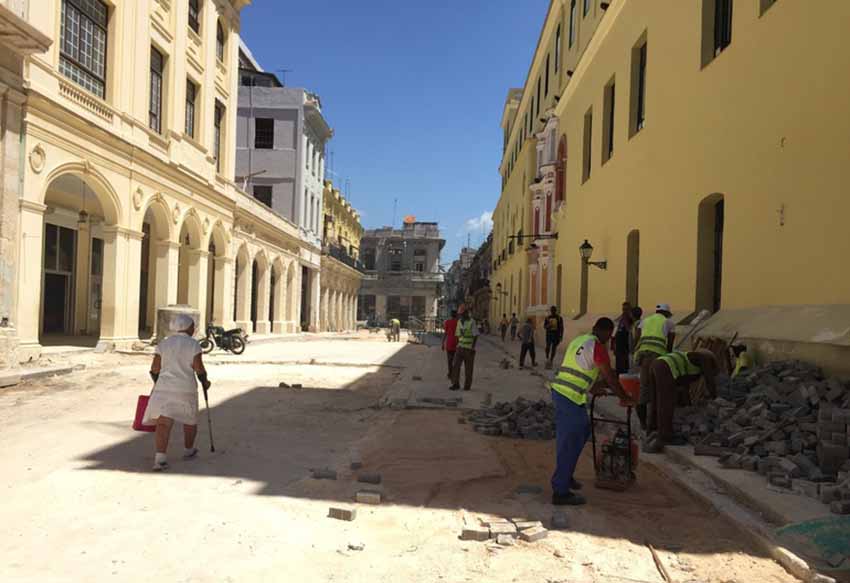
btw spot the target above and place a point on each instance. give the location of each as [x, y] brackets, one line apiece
[80, 503]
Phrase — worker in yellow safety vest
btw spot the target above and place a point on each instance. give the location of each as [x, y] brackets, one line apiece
[585, 361]
[669, 374]
[654, 338]
[395, 328]
[467, 337]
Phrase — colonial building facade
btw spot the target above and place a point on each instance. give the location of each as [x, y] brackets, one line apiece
[342, 271]
[128, 202]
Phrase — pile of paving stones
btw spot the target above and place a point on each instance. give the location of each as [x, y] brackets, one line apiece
[520, 419]
[504, 531]
[784, 420]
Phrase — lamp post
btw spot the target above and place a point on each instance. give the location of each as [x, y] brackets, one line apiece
[586, 252]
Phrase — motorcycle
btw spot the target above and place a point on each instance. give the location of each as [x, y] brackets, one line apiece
[231, 340]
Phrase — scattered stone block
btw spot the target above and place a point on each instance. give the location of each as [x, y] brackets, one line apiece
[789, 467]
[347, 514]
[806, 488]
[366, 497]
[369, 478]
[324, 474]
[505, 540]
[498, 528]
[840, 507]
[476, 533]
[780, 480]
[829, 493]
[526, 524]
[534, 534]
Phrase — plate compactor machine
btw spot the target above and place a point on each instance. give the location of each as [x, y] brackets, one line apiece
[615, 458]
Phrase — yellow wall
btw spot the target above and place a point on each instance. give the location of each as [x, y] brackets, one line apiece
[765, 124]
[345, 225]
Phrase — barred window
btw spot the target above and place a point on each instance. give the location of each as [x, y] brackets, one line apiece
[194, 16]
[219, 118]
[264, 133]
[83, 44]
[191, 97]
[219, 42]
[156, 91]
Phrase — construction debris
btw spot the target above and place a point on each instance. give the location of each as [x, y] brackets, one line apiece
[324, 474]
[504, 531]
[367, 497]
[369, 478]
[347, 514]
[523, 419]
[784, 420]
[534, 534]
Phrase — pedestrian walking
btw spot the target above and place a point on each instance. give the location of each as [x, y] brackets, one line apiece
[585, 361]
[467, 338]
[395, 329]
[514, 326]
[450, 341]
[622, 339]
[655, 337]
[554, 325]
[176, 363]
[526, 338]
[503, 326]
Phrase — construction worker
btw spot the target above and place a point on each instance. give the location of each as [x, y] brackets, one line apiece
[743, 360]
[554, 325]
[467, 338]
[449, 345]
[395, 327]
[585, 361]
[668, 374]
[655, 337]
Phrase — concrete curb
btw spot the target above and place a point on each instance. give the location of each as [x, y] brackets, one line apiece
[52, 371]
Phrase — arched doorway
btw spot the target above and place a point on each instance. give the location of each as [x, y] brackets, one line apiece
[242, 289]
[260, 294]
[78, 264]
[189, 285]
[154, 270]
[217, 273]
[711, 219]
[633, 267]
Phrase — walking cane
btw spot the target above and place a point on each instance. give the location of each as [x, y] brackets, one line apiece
[209, 421]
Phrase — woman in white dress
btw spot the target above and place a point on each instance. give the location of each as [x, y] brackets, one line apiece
[175, 394]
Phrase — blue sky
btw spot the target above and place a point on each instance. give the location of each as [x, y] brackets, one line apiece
[414, 91]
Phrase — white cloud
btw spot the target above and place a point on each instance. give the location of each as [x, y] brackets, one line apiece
[478, 225]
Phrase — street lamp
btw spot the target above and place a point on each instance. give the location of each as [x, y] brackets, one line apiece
[586, 251]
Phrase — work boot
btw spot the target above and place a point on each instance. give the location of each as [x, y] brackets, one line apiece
[454, 388]
[568, 499]
[576, 485]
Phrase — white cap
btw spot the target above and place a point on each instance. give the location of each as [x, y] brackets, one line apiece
[181, 323]
[663, 308]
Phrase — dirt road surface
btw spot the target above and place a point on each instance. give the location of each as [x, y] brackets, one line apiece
[80, 503]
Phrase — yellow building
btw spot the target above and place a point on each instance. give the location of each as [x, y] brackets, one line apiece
[705, 158]
[128, 199]
[341, 274]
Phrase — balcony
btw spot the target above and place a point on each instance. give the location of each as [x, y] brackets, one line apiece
[341, 255]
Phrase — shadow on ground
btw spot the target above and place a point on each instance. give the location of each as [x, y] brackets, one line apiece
[275, 436]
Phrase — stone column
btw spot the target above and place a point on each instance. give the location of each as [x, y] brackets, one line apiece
[279, 299]
[323, 311]
[198, 277]
[243, 297]
[314, 304]
[82, 275]
[223, 297]
[119, 313]
[30, 270]
[167, 271]
[264, 326]
[381, 307]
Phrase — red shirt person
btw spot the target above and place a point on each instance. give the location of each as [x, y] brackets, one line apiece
[450, 340]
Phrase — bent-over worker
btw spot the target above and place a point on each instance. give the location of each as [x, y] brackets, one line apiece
[585, 361]
[467, 338]
[655, 337]
[177, 361]
[668, 375]
[395, 329]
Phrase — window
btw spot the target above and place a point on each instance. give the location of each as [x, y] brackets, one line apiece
[546, 86]
[588, 143]
[608, 122]
[419, 258]
[194, 16]
[561, 175]
[572, 38]
[218, 120]
[395, 259]
[586, 7]
[155, 108]
[722, 25]
[264, 134]
[558, 49]
[219, 41]
[538, 101]
[191, 99]
[369, 259]
[263, 193]
[82, 44]
[638, 94]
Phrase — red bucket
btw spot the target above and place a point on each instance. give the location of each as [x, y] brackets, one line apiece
[141, 406]
[630, 384]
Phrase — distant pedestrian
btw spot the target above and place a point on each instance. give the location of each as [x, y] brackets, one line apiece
[177, 361]
[526, 337]
[621, 340]
[467, 338]
[450, 340]
[503, 326]
[395, 329]
[514, 325]
[554, 325]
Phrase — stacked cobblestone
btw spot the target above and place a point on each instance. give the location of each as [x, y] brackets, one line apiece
[785, 421]
[520, 419]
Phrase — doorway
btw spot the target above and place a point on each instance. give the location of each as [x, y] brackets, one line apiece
[711, 224]
[306, 284]
[60, 249]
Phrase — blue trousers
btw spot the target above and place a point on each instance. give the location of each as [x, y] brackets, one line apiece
[572, 430]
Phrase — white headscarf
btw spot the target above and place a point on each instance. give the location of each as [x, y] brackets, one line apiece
[181, 323]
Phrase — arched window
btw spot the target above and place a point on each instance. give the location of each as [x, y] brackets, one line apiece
[561, 177]
[536, 221]
[548, 227]
[219, 41]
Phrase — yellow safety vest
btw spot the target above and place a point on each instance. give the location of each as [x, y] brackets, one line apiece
[652, 337]
[680, 364]
[571, 380]
[465, 333]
